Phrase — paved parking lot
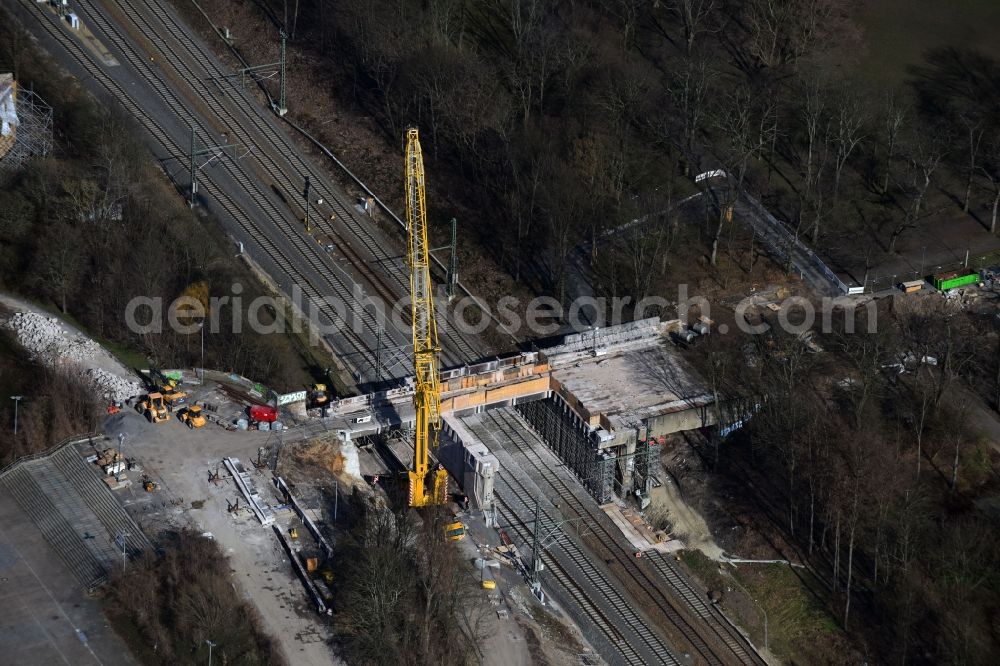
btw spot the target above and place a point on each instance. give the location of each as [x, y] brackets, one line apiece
[45, 617]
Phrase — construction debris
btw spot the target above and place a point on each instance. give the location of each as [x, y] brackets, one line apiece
[50, 343]
[112, 387]
[246, 485]
[47, 341]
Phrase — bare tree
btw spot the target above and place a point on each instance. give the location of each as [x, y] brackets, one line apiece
[849, 116]
[695, 16]
[627, 14]
[974, 130]
[448, 20]
[893, 117]
[781, 32]
[689, 91]
[990, 167]
[739, 121]
[924, 155]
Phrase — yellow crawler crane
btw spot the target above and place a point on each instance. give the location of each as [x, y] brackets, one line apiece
[427, 486]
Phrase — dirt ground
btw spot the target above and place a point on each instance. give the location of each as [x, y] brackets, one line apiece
[938, 244]
[669, 505]
[180, 460]
[689, 506]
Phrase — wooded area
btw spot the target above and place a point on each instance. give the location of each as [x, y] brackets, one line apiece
[59, 403]
[550, 123]
[404, 594]
[871, 463]
[97, 224]
[167, 604]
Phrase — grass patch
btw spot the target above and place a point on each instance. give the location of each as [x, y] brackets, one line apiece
[799, 628]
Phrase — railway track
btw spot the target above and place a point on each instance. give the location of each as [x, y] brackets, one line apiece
[571, 568]
[316, 270]
[626, 634]
[249, 224]
[729, 645]
[289, 171]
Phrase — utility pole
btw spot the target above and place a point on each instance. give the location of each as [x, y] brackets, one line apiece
[536, 550]
[202, 351]
[121, 535]
[17, 401]
[121, 452]
[210, 646]
[452, 278]
[378, 353]
[282, 108]
[194, 153]
[305, 193]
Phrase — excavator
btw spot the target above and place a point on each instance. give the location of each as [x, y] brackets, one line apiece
[167, 387]
[427, 487]
[172, 395]
[153, 408]
[318, 396]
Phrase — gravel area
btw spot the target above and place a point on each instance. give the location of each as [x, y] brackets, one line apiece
[56, 344]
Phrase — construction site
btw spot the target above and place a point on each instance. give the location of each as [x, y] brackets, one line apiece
[25, 126]
[513, 498]
[543, 461]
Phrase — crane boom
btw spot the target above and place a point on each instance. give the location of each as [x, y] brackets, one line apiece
[427, 397]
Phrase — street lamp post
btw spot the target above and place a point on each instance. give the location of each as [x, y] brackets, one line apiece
[210, 646]
[122, 535]
[17, 401]
[202, 368]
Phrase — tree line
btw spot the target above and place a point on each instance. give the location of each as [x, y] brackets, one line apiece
[403, 594]
[555, 122]
[167, 604]
[96, 224]
[869, 464]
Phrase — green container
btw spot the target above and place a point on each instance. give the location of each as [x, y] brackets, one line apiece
[960, 281]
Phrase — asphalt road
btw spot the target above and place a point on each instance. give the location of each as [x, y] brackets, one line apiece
[45, 616]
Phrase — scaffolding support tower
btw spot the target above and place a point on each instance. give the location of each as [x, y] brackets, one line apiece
[27, 126]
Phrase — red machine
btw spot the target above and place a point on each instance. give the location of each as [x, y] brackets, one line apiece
[265, 413]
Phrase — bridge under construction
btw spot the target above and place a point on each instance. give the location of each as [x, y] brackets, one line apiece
[602, 401]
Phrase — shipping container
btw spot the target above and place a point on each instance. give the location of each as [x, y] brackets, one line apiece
[946, 282]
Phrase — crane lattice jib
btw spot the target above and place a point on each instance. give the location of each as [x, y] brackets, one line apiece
[427, 399]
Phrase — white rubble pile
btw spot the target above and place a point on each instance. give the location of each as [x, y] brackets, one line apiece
[352, 464]
[47, 342]
[113, 387]
[51, 344]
